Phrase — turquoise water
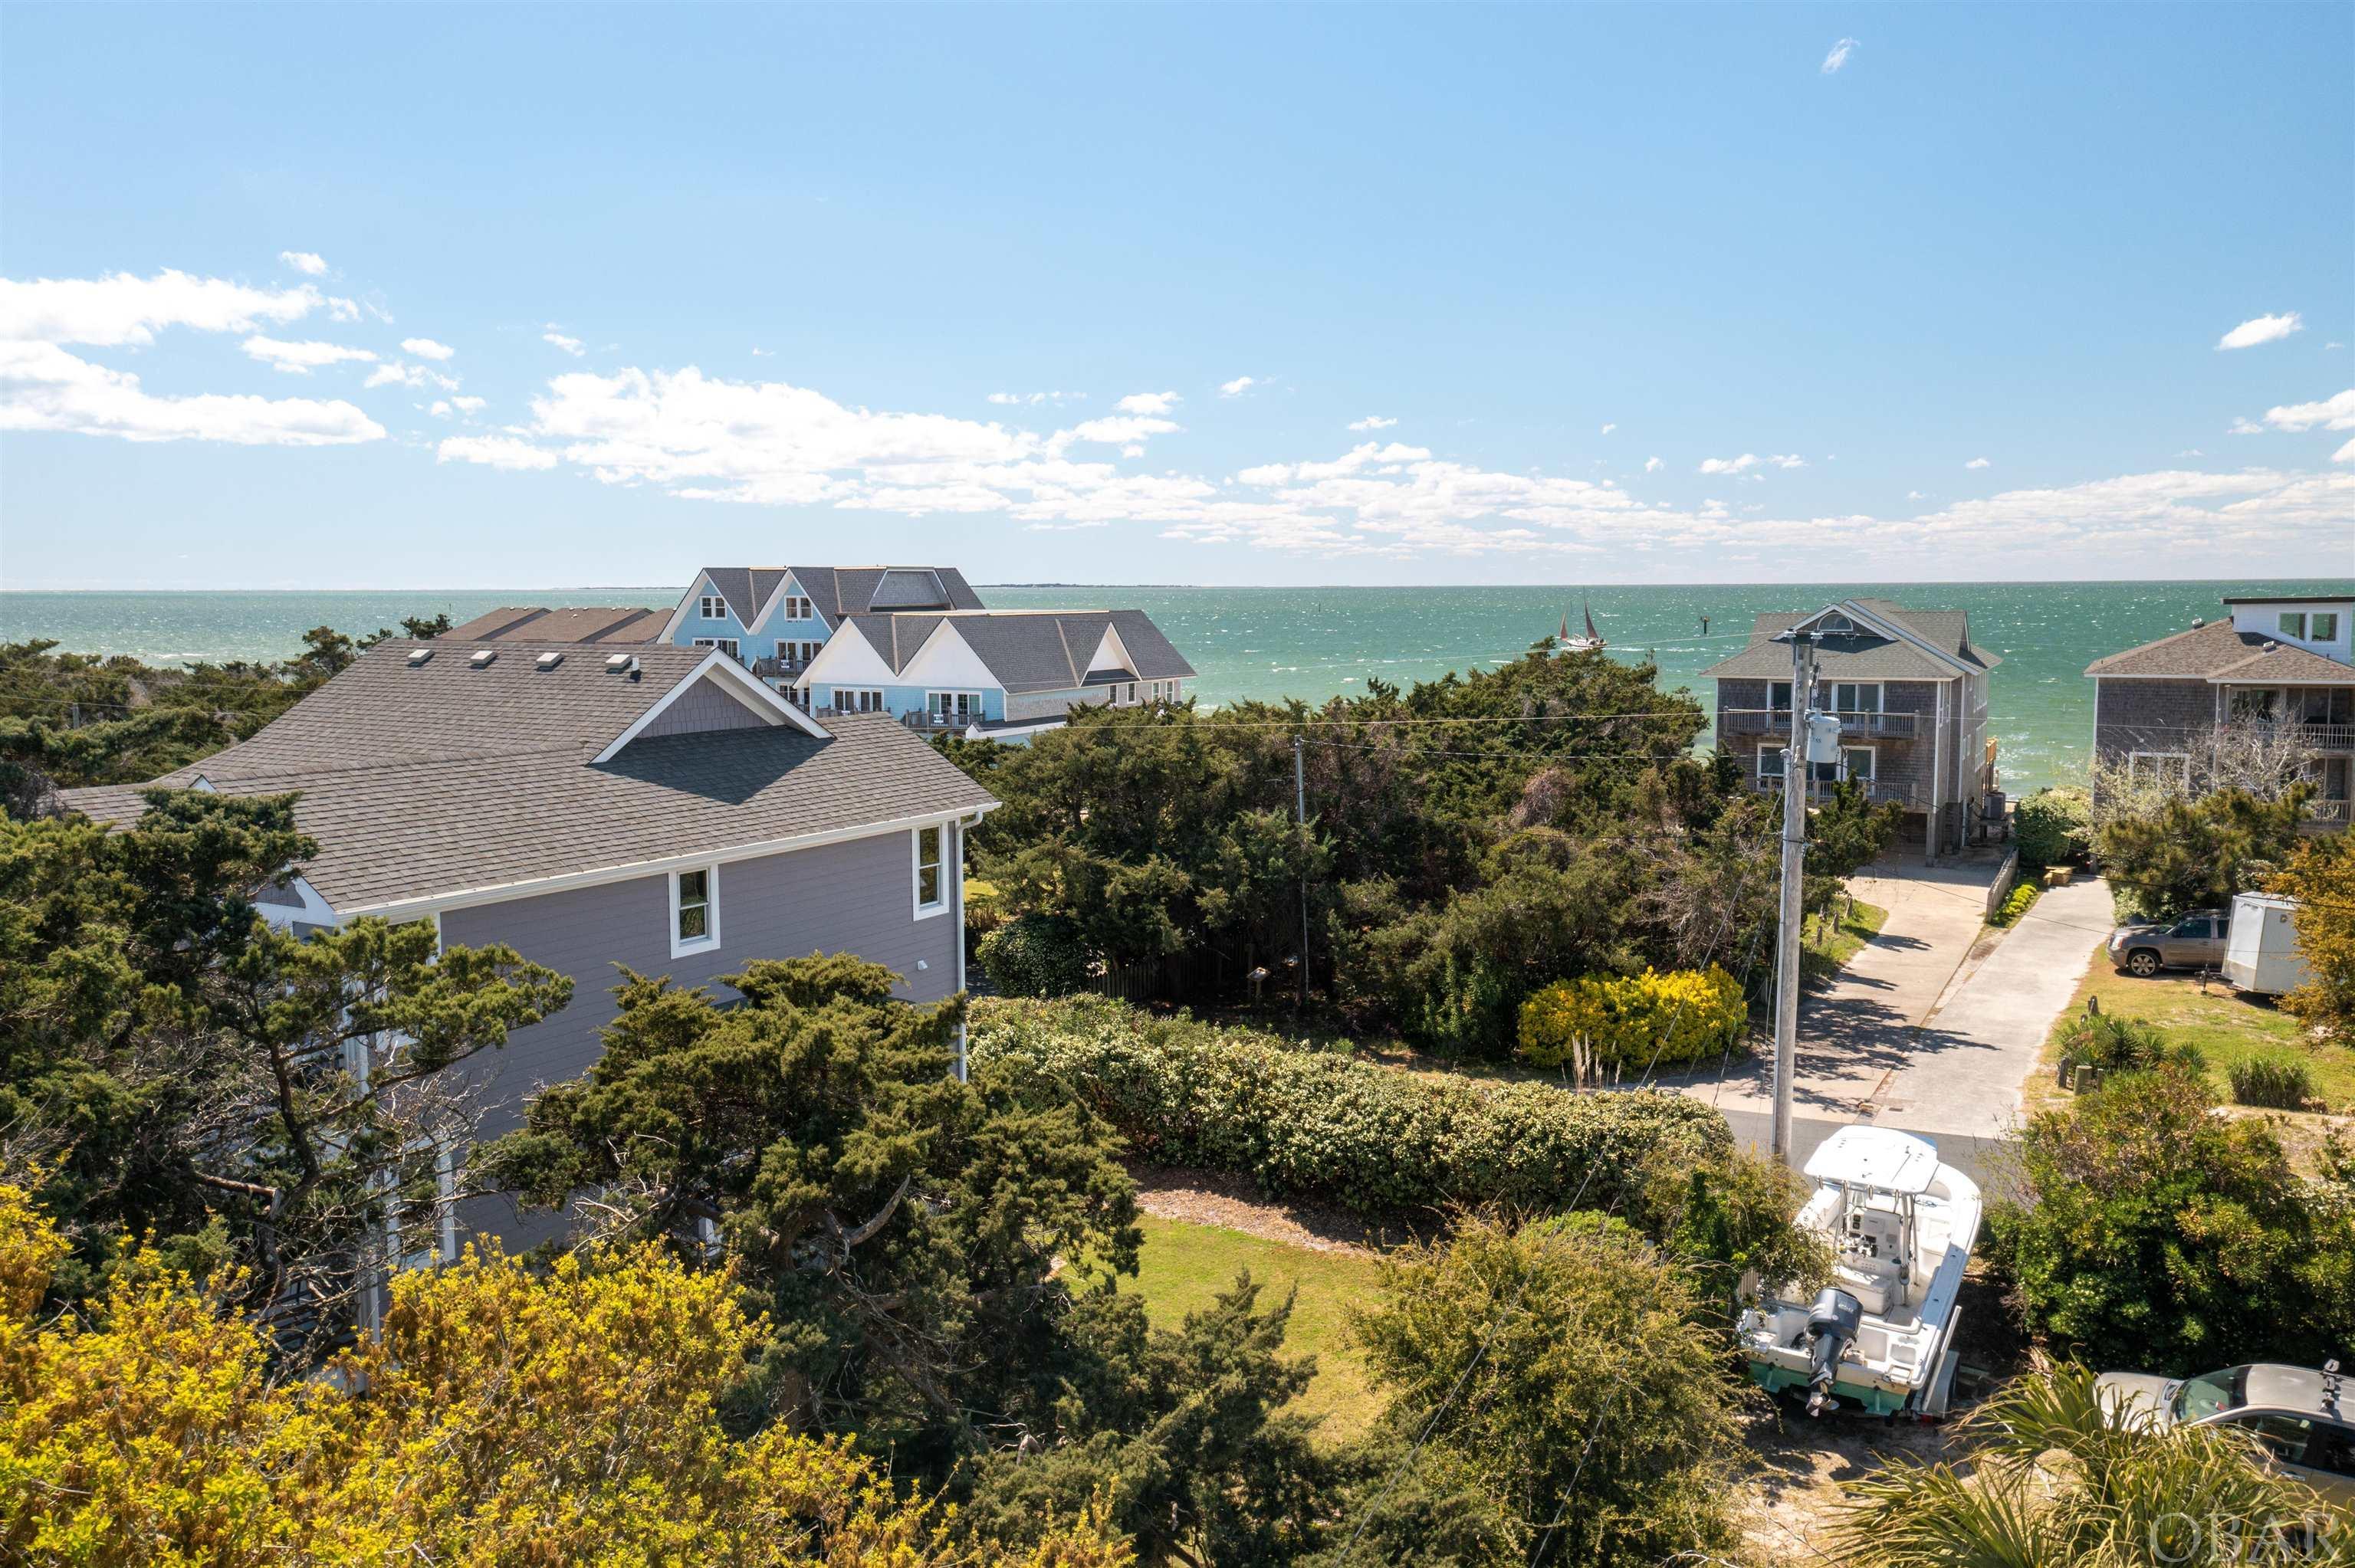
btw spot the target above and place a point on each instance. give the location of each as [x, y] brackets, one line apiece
[1314, 642]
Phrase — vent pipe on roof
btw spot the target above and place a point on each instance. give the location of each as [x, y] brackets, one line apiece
[2197, 622]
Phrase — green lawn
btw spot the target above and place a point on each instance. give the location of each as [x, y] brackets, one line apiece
[1826, 951]
[2227, 1027]
[1183, 1266]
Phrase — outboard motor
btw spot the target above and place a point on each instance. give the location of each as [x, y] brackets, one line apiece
[1832, 1324]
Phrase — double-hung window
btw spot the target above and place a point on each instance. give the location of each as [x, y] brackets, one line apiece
[797, 609]
[713, 608]
[694, 910]
[928, 849]
[2159, 767]
[1856, 763]
[1857, 697]
[858, 700]
[727, 645]
[1770, 765]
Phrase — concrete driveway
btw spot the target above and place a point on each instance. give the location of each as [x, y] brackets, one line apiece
[1928, 1029]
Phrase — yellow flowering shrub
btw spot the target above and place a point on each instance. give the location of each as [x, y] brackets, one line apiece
[504, 1416]
[1624, 1023]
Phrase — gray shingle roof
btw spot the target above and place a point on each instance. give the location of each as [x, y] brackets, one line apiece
[428, 782]
[1865, 657]
[2218, 650]
[840, 591]
[1032, 649]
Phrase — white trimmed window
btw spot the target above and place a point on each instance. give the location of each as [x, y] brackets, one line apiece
[798, 609]
[727, 645]
[712, 608]
[1856, 762]
[2322, 627]
[1855, 696]
[421, 1223]
[963, 707]
[859, 699]
[694, 910]
[2292, 624]
[928, 848]
[1770, 763]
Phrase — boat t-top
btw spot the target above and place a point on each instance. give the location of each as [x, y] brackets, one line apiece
[1881, 1335]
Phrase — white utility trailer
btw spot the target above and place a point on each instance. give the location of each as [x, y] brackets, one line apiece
[2261, 955]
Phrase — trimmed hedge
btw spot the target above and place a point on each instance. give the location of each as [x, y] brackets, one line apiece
[1375, 1138]
[1633, 1021]
[2016, 904]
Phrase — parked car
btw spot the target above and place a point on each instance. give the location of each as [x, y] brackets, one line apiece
[2297, 1413]
[2197, 941]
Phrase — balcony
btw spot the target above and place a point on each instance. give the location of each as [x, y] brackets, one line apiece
[779, 669]
[929, 723]
[2327, 813]
[1854, 723]
[1874, 790]
[2320, 735]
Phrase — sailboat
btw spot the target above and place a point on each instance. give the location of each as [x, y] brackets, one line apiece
[1591, 642]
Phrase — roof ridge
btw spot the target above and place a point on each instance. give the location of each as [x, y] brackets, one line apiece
[374, 765]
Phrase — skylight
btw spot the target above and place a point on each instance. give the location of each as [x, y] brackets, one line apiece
[616, 663]
[481, 657]
[419, 655]
[547, 661]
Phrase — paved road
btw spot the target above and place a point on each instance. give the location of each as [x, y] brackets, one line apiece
[1929, 1029]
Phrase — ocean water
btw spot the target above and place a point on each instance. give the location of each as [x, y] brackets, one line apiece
[1276, 642]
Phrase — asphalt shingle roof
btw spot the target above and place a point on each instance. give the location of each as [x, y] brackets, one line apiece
[840, 591]
[425, 783]
[2219, 650]
[572, 623]
[1031, 649]
[1864, 657]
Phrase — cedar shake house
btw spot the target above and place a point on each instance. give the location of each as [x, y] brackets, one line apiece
[596, 805]
[2279, 664]
[1910, 691]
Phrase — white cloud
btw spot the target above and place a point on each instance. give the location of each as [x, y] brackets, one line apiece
[440, 409]
[1976, 462]
[1031, 399]
[1730, 465]
[43, 387]
[1838, 56]
[468, 405]
[120, 308]
[2191, 451]
[2345, 453]
[1915, 496]
[1238, 387]
[301, 358]
[1787, 459]
[1371, 422]
[495, 452]
[1147, 403]
[1608, 428]
[2261, 328]
[1653, 465]
[2335, 413]
[571, 345]
[310, 263]
[764, 354]
[2244, 426]
[343, 310]
[426, 348]
[394, 372]
[1116, 431]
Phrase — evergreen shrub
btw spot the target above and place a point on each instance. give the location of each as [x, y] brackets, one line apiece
[2054, 827]
[1036, 955]
[1375, 1138]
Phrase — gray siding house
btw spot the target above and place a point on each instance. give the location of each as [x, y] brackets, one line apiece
[1910, 691]
[2283, 666]
[597, 807]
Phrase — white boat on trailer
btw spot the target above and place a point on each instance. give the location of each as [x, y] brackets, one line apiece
[1880, 1336]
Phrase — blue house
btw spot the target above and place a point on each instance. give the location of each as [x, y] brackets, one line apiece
[774, 619]
[1005, 674]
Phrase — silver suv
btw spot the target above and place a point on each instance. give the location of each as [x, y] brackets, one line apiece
[2196, 941]
[2298, 1413]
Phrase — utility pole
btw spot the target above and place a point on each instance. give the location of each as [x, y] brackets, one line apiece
[1795, 772]
[1300, 808]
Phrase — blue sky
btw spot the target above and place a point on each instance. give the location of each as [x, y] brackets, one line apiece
[432, 296]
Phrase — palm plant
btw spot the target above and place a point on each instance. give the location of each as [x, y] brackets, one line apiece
[2056, 1478]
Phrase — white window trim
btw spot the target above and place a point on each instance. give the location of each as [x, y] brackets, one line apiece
[684, 947]
[703, 611]
[882, 704]
[1880, 695]
[2313, 636]
[1776, 753]
[445, 1213]
[1872, 751]
[731, 646]
[975, 701]
[916, 872]
[2281, 623]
